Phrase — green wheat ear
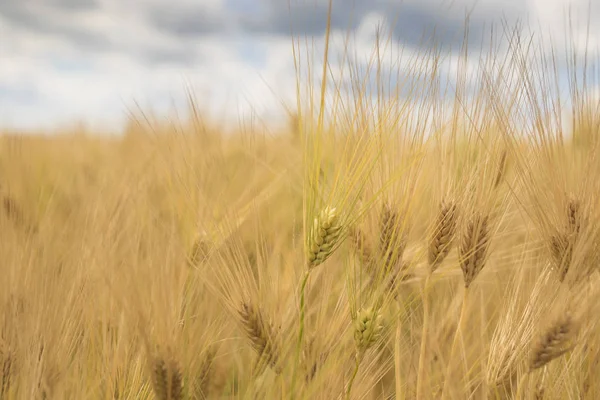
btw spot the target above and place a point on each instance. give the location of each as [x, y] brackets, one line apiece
[324, 236]
[367, 328]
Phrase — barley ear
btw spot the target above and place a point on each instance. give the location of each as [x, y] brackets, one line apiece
[557, 340]
[167, 379]
[367, 329]
[324, 236]
[444, 229]
[473, 248]
[392, 240]
[261, 336]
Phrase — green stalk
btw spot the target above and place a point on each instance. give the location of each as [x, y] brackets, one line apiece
[358, 359]
[300, 331]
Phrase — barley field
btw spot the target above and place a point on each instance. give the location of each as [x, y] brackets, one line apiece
[400, 239]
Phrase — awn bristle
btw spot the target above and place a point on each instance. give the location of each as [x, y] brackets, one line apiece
[199, 252]
[324, 236]
[562, 244]
[445, 227]
[501, 169]
[167, 379]
[555, 342]
[539, 392]
[362, 248]
[313, 359]
[261, 335]
[399, 274]
[474, 247]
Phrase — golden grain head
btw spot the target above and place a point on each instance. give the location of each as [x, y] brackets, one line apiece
[473, 250]
[261, 335]
[167, 380]
[392, 237]
[558, 339]
[443, 237]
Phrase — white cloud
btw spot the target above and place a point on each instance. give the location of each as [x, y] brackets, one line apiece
[92, 63]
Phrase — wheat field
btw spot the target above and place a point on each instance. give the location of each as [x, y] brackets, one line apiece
[397, 246]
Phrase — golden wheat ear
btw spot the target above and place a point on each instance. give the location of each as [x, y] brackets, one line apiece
[474, 247]
[443, 237]
[392, 237]
[167, 380]
[261, 336]
[558, 339]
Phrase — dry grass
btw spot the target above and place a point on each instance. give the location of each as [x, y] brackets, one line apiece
[382, 248]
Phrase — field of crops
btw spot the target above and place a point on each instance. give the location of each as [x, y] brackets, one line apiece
[412, 245]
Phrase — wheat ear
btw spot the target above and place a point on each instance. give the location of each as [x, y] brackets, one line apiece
[473, 248]
[167, 379]
[392, 241]
[557, 340]
[260, 334]
[367, 330]
[323, 237]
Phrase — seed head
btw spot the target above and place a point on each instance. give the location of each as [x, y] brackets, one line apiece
[445, 227]
[474, 247]
[367, 329]
[260, 334]
[556, 341]
[323, 237]
[167, 380]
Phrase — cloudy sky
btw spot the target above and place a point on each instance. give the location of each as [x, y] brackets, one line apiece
[92, 60]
